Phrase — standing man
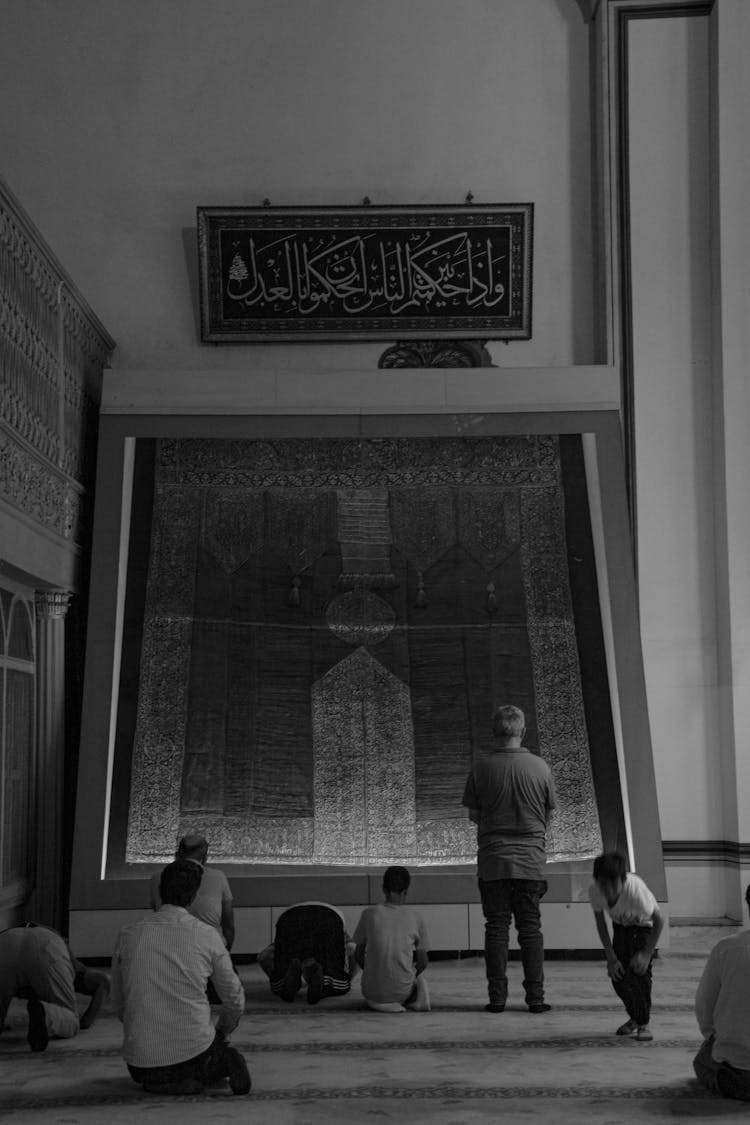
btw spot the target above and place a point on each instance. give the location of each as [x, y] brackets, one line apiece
[510, 796]
[160, 968]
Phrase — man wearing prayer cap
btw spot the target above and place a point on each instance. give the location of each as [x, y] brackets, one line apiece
[213, 902]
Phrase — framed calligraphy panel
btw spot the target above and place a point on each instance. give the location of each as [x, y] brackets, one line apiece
[365, 273]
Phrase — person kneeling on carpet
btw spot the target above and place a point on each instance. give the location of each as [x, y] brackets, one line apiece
[392, 948]
[161, 966]
[213, 902]
[310, 945]
[722, 1007]
[35, 965]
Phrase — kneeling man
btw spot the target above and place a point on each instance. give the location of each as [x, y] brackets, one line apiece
[311, 945]
[35, 964]
[722, 1006]
[160, 969]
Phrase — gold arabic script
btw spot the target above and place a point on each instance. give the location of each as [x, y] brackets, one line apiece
[382, 273]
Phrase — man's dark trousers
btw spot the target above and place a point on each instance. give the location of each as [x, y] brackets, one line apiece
[520, 898]
[207, 1068]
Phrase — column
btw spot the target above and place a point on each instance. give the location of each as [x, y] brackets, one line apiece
[46, 903]
[731, 346]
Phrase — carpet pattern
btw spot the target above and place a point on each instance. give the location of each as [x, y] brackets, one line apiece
[456, 1065]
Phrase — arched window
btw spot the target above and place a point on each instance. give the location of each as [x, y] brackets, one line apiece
[17, 740]
[20, 634]
[6, 602]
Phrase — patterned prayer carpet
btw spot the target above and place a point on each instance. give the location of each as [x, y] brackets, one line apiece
[456, 1065]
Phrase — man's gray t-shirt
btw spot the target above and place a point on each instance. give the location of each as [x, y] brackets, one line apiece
[390, 933]
[513, 793]
[213, 895]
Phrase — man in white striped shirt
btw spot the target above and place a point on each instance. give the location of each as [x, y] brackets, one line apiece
[160, 968]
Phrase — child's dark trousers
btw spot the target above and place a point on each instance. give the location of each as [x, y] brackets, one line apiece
[635, 988]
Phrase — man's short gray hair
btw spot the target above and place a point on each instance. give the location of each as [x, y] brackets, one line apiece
[193, 846]
[508, 722]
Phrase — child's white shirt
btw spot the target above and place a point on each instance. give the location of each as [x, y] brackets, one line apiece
[634, 907]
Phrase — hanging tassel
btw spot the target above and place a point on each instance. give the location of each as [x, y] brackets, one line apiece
[294, 598]
[421, 598]
[491, 599]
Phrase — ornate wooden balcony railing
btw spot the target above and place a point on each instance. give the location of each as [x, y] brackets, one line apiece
[52, 353]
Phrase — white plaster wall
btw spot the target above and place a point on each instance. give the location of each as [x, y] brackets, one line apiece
[671, 281]
[731, 301]
[118, 118]
[702, 891]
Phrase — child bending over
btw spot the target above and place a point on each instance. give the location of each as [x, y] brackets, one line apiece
[392, 947]
[636, 925]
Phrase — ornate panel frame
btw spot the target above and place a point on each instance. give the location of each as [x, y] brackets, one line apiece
[365, 273]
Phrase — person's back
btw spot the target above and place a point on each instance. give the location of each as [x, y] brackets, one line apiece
[513, 785]
[310, 944]
[722, 1008]
[512, 790]
[213, 902]
[35, 962]
[212, 896]
[392, 946]
[510, 797]
[164, 963]
[728, 973]
[161, 966]
[392, 933]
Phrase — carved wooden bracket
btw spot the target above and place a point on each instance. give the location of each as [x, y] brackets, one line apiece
[436, 353]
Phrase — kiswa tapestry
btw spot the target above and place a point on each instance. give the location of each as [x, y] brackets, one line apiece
[326, 628]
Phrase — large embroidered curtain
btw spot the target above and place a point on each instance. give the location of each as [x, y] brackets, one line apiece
[327, 627]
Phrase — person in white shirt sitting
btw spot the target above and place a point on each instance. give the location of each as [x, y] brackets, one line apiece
[637, 924]
[160, 969]
[722, 1007]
